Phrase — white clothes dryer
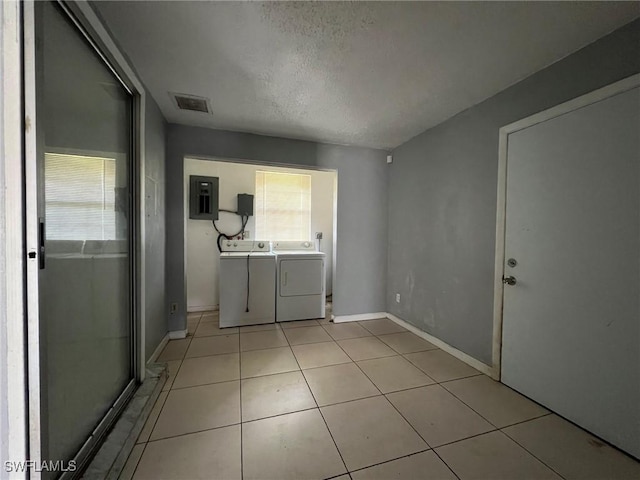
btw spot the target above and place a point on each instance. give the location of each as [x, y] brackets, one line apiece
[300, 281]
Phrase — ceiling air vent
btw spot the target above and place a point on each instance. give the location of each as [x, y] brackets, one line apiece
[191, 102]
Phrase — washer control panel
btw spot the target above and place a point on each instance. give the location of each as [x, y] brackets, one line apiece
[246, 246]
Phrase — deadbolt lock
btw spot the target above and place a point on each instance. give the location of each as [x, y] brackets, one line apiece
[512, 262]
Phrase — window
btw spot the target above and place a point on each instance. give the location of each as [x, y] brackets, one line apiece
[283, 206]
[80, 196]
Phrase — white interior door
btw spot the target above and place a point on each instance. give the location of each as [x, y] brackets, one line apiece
[571, 323]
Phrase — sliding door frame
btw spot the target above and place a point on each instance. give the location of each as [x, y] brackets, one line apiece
[90, 26]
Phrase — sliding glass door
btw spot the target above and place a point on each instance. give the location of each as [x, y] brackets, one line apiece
[86, 212]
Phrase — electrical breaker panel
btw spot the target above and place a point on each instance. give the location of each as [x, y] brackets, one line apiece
[203, 198]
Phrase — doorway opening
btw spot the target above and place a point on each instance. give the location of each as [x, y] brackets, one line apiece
[300, 205]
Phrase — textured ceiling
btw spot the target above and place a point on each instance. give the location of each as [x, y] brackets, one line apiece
[358, 73]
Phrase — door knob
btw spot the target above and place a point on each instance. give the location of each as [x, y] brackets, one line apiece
[509, 280]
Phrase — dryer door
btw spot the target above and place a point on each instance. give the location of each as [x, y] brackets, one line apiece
[301, 277]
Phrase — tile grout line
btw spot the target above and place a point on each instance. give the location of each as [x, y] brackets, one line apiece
[497, 428]
[350, 401]
[320, 407]
[422, 372]
[348, 338]
[207, 383]
[404, 355]
[163, 404]
[469, 406]
[181, 360]
[352, 361]
[525, 421]
[402, 416]
[280, 414]
[446, 444]
[526, 450]
[450, 379]
[508, 437]
[186, 434]
[240, 399]
[133, 474]
[398, 354]
[440, 383]
[411, 425]
[165, 398]
[392, 460]
[265, 348]
[445, 463]
[344, 464]
[433, 449]
[146, 443]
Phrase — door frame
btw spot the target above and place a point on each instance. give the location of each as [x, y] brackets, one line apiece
[13, 389]
[260, 165]
[553, 112]
[90, 26]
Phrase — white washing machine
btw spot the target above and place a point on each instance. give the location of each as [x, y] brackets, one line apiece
[247, 283]
[300, 281]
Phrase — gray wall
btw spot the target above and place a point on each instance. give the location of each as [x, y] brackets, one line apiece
[442, 197]
[361, 222]
[155, 227]
[154, 164]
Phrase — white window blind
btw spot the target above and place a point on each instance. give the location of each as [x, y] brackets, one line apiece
[283, 206]
[80, 197]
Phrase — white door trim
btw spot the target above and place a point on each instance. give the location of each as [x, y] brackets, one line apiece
[13, 405]
[569, 106]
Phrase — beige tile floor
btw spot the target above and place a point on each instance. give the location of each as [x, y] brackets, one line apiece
[366, 400]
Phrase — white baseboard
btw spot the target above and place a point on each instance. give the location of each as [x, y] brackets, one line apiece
[177, 334]
[469, 360]
[205, 308]
[158, 350]
[358, 318]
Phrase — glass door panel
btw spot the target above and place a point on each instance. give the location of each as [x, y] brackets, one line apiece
[85, 117]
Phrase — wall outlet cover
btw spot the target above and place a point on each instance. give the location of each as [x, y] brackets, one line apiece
[397, 298]
[318, 235]
[174, 307]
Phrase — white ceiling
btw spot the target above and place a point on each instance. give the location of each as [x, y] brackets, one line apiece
[358, 73]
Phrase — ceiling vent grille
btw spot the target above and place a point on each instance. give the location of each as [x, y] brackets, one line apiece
[191, 103]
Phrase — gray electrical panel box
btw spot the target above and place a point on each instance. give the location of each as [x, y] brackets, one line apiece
[245, 204]
[203, 198]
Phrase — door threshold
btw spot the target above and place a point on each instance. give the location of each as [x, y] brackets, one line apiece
[114, 452]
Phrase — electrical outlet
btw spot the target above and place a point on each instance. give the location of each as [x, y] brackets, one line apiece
[318, 235]
[247, 234]
[397, 298]
[174, 307]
